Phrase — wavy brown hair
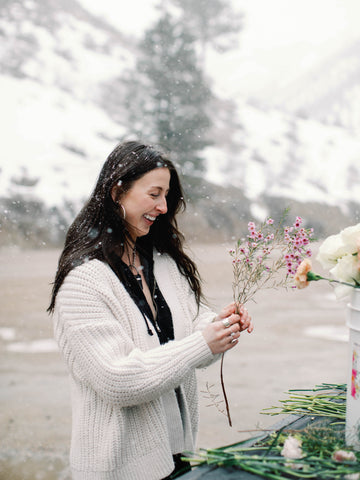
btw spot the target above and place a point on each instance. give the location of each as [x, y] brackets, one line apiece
[100, 231]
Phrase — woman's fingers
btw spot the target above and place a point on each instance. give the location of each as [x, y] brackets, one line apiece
[221, 338]
[224, 332]
[245, 319]
[227, 311]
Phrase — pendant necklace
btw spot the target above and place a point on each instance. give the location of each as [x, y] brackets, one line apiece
[133, 266]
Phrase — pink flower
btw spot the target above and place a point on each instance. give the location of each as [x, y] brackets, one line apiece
[298, 222]
[269, 221]
[344, 456]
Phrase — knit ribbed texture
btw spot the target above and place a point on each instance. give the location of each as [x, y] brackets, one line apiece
[120, 376]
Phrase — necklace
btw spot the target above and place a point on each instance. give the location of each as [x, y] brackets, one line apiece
[133, 266]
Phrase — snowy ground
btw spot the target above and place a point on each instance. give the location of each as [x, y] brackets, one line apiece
[299, 341]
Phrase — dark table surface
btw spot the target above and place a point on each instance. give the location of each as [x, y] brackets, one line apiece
[211, 472]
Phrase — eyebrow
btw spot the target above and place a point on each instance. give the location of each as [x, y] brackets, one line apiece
[160, 188]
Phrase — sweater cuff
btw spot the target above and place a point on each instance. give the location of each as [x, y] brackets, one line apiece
[200, 352]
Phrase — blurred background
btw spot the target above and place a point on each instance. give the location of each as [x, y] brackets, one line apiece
[257, 102]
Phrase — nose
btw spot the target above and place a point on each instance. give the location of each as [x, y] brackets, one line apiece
[162, 205]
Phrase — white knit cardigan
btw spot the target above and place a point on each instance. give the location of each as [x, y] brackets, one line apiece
[118, 372]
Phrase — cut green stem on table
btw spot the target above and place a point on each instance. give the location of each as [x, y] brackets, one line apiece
[318, 442]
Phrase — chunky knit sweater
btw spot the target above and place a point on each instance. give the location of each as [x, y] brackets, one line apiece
[122, 378]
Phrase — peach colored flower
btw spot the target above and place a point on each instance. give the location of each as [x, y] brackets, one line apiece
[344, 456]
[300, 279]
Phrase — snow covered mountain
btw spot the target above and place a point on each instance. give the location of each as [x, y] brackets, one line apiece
[282, 155]
[329, 92]
[55, 58]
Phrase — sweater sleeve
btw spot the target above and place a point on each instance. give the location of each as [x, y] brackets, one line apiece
[202, 315]
[97, 347]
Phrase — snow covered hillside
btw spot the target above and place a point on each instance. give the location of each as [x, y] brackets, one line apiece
[282, 155]
[55, 58]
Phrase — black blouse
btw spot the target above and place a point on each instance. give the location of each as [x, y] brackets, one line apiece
[162, 323]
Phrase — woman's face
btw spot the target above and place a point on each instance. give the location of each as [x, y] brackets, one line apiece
[146, 200]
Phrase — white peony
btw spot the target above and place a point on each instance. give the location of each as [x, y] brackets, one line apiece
[351, 237]
[330, 250]
[336, 246]
[340, 254]
[346, 269]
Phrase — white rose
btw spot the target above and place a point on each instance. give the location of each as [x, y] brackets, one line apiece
[330, 250]
[346, 269]
[351, 238]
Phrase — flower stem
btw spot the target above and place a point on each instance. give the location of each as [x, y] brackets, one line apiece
[311, 276]
[224, 391]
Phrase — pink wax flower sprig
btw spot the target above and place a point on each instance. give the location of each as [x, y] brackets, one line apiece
[266, 251]
[258, 259]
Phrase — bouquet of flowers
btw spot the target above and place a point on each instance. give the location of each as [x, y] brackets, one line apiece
[259, 259]
[265, 252]
[341, 255]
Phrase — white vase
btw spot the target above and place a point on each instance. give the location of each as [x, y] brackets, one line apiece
[352, 428]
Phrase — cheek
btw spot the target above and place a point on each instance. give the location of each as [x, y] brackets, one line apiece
[147, 205]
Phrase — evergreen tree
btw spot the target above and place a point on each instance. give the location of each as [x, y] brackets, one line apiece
[167, 95]
[213, 22]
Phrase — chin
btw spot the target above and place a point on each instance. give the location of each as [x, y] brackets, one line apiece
[143, 233]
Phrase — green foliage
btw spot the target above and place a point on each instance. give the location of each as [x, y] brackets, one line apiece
[323, 451]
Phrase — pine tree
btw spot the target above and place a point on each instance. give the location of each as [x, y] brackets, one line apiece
[167, 95]
[213, 22]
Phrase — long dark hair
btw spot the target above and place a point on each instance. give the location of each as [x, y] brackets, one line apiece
[99, 231]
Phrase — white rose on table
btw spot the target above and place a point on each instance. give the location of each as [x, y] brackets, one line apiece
[292, 450]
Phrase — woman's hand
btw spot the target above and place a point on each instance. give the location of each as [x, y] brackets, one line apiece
[224, 332]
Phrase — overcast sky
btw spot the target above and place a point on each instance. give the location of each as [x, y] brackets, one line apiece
[280, 39]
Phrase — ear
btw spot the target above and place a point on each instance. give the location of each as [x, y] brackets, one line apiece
[115, 193]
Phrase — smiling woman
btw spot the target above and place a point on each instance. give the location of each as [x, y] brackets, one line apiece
[131, 325]
[145, 201]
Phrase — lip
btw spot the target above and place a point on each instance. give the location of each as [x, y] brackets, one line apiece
[150, 222]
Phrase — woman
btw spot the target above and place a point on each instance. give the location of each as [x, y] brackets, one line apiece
[130, 323]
